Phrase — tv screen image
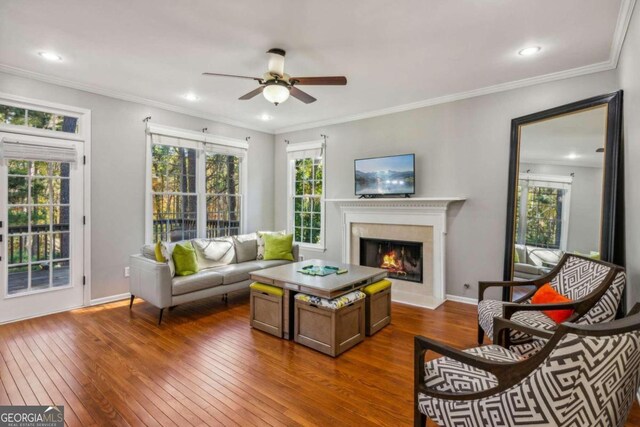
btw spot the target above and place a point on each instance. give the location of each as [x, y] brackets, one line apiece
[392, 175]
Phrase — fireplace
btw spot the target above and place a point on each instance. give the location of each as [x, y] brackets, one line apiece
[402, 259]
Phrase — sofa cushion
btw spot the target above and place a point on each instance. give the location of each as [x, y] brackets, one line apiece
[214, 252]
[237, 272]
[204, 279]
[246, 247]
[271, 263]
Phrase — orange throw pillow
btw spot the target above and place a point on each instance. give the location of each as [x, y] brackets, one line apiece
[547, 295]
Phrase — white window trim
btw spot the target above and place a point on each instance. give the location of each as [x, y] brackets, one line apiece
[304, 146]
[197, 141]
[554, 181]
[84, 136]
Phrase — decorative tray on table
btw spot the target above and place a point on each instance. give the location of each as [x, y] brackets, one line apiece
[320, 270]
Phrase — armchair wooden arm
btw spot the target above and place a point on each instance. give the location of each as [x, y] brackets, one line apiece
[483, 286]
[421, 345]
[510, 308]
[503, 327]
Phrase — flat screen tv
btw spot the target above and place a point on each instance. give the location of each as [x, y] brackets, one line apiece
[385, 176]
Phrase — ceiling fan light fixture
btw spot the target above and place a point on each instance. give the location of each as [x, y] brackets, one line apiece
[276, 93]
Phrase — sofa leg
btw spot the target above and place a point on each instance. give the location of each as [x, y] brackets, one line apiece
[160, 317]
[480, 335]
[131, 302]
[225, 298]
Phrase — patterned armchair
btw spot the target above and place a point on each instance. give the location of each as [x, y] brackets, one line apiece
[584, 375]
[594, 287]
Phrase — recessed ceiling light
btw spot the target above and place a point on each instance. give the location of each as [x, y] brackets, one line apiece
[191, 96]
[528, 51]
[50, 56]
[265, 117]
[571, 156]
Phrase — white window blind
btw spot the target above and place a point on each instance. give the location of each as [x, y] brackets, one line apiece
[30, 150]
[226, 150]
[305, 150]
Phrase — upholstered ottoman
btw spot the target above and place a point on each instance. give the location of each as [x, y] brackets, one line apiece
[377, 306]
[330, 326]
[266, 308]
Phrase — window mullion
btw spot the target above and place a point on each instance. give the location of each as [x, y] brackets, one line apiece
[201, 178]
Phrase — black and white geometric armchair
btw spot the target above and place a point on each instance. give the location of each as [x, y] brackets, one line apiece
[594, 288]
[585, 375]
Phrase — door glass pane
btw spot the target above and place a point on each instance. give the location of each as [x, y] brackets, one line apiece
[38, 225]
[61, 273]
[18, 279]
[60, 245]
[41, 247]
[40, 276]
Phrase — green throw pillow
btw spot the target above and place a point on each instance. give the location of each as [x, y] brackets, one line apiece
[184, 257]
[158, 251]
[277, 246]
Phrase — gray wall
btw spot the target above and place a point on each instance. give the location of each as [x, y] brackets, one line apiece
[462, 149]
[584, 210]
[629, 70]
[118, 173]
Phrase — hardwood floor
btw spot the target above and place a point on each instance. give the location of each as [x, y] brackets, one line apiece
[205, 366]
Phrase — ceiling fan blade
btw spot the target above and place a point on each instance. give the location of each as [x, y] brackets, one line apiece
[326, 81]
[232, 75]
[253, 93]
[302, 96]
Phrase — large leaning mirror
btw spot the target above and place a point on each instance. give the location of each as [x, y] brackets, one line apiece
[564, 187]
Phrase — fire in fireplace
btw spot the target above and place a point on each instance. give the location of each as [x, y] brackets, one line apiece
[403, 260]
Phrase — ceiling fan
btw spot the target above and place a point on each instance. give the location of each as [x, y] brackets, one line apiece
[276, 85]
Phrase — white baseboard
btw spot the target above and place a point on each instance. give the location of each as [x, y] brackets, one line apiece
[110, 298]
[638, 396]
[464, 300]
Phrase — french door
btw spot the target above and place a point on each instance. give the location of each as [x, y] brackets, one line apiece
[41, 226]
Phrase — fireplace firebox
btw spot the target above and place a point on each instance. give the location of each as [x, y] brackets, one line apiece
[402, 259]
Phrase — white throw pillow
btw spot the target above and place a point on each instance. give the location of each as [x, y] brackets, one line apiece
[214, 252]
[261, 241]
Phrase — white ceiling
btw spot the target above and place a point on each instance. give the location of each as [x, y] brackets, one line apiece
[392, 52]
[570, 140]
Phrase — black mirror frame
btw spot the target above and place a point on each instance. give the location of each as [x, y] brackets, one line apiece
[612, 231]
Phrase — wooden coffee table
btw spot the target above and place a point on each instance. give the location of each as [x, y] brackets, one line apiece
[291, 281]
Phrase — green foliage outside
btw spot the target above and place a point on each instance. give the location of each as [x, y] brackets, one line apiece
[307, 200]
[37, 119]
[174, 212]
[543, 216]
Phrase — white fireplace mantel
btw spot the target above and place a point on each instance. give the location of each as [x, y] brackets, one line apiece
[418, 211]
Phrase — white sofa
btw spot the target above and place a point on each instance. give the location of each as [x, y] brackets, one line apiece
[154, 282]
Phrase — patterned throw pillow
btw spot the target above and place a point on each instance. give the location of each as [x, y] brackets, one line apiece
[214, 252]
[261, 241]
[167, 252]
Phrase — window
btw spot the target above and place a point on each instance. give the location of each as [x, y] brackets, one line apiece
[542, 212]
[223, 195]
[175, 200]
[37, 119]
[195, 185]
[306, 218]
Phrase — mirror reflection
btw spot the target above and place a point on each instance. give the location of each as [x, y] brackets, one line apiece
[559, 192]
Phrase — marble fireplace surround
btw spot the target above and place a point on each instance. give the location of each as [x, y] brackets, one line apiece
[416, 219]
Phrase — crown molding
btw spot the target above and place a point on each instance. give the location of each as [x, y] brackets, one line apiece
[622, 25]
[502, 87]
[127, 97]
